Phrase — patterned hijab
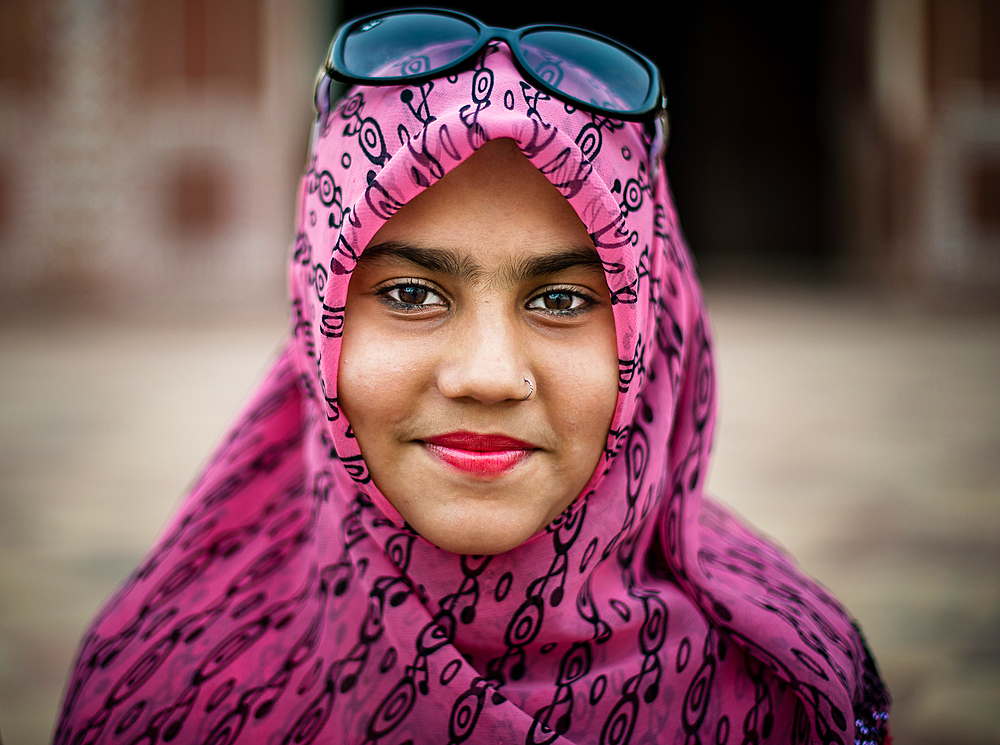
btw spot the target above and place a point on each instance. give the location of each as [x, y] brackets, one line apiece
[287, 602]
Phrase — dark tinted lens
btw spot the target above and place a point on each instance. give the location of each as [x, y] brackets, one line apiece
[406, 44]
[587, 69]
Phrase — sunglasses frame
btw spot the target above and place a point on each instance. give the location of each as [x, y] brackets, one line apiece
[654, 103]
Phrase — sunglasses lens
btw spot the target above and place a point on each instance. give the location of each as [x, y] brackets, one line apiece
[399, 44]
[587, 69]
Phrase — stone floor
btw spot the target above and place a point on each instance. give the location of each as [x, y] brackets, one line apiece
[863, 435]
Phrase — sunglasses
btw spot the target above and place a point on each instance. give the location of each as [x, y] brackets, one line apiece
[585, 69]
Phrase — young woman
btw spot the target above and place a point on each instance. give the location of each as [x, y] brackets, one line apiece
[467, 503]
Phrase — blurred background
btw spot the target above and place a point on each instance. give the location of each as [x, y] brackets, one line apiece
[837, 170]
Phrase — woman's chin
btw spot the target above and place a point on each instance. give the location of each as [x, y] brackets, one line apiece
[475, 532]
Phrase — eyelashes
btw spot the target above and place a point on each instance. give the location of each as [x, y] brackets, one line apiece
[563, 301]
[416, 296]
[411, 295]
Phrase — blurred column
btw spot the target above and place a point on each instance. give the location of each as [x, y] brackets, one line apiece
[29, 38]
[962, 252]
[899, 87]
[75, 164]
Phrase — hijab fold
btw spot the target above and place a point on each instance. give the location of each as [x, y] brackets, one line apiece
[288, 602]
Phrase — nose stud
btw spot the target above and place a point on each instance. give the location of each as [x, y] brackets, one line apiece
[531, 389]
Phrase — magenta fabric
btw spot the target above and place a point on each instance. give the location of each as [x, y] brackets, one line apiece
[287, 602]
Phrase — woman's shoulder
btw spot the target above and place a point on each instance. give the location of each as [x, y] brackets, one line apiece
[754, 590]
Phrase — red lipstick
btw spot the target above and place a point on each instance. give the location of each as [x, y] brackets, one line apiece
[479, 454]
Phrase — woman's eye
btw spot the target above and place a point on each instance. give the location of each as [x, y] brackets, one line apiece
[559, 300]
[409, 294]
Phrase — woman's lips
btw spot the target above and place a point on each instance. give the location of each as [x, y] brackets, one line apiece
[479, 454]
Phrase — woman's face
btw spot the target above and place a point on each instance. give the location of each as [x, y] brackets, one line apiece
[484, 281]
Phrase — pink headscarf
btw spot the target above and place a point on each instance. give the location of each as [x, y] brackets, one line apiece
[287, 602]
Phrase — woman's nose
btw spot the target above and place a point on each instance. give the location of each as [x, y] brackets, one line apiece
[485, 360]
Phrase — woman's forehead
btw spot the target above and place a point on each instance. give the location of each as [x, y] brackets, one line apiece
[494, 208]
[498, 180]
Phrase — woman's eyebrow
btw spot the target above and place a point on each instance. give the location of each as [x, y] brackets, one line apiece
[450, 263]
[442, 261]
[534, 267]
